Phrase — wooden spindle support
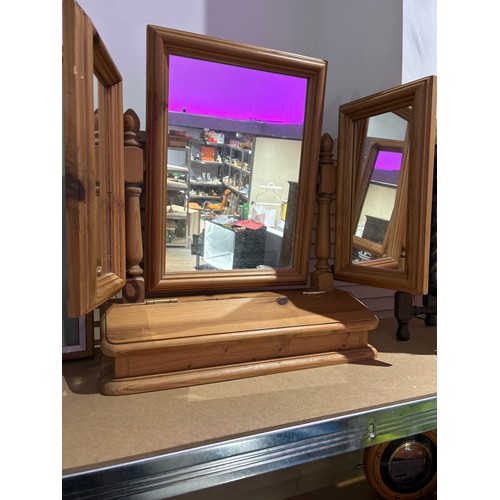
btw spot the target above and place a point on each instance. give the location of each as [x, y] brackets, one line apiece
[134, 291]
[322, 277]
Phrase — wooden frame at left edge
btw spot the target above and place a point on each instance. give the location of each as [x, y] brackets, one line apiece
[84, 54]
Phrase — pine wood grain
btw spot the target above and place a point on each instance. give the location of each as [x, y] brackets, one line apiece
[85, 56]
[201, 339]
[112, 386]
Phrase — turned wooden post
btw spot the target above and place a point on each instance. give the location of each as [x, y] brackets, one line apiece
[134, 291]
[322, 277]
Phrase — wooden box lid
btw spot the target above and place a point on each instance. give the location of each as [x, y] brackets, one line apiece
[220, 317]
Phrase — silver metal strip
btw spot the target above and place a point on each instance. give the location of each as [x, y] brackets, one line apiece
[197, 468]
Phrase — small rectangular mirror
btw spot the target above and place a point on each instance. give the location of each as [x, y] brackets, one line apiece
[384, 188]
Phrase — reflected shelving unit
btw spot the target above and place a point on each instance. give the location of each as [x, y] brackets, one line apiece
[239, 175]
[178, 175]
[206, 171]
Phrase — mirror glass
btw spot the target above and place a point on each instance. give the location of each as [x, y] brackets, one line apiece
[232, 152]
[235, 140]
[384, 187]
[102, 263]
[103, 190]
[379, 184]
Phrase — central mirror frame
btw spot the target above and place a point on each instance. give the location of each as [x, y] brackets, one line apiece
[163, 42]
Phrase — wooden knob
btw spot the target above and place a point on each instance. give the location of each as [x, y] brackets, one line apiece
[131, 124]
[326, 145]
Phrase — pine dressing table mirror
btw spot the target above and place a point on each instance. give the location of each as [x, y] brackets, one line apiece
[233, 201]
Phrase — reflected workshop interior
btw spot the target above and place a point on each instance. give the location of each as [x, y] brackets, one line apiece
[233, 162]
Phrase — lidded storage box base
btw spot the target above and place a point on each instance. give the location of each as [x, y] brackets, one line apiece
[203, 339]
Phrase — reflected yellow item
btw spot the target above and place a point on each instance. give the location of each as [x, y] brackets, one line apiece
[284, 205]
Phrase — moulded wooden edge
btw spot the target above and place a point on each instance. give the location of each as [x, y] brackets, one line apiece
[352, 316]
[112, 386]
[145, 345]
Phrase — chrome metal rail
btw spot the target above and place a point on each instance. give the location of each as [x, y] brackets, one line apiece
[202, 467]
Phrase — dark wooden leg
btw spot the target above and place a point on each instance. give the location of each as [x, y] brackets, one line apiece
[430, 302]
[403, 311]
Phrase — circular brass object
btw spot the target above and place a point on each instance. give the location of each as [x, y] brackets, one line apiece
[403, 469]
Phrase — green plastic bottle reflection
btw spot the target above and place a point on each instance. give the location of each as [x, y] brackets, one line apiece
[246, 208]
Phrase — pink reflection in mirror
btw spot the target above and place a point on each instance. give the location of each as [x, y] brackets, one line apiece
[388, 160]
[387, 167]
[213, 89]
